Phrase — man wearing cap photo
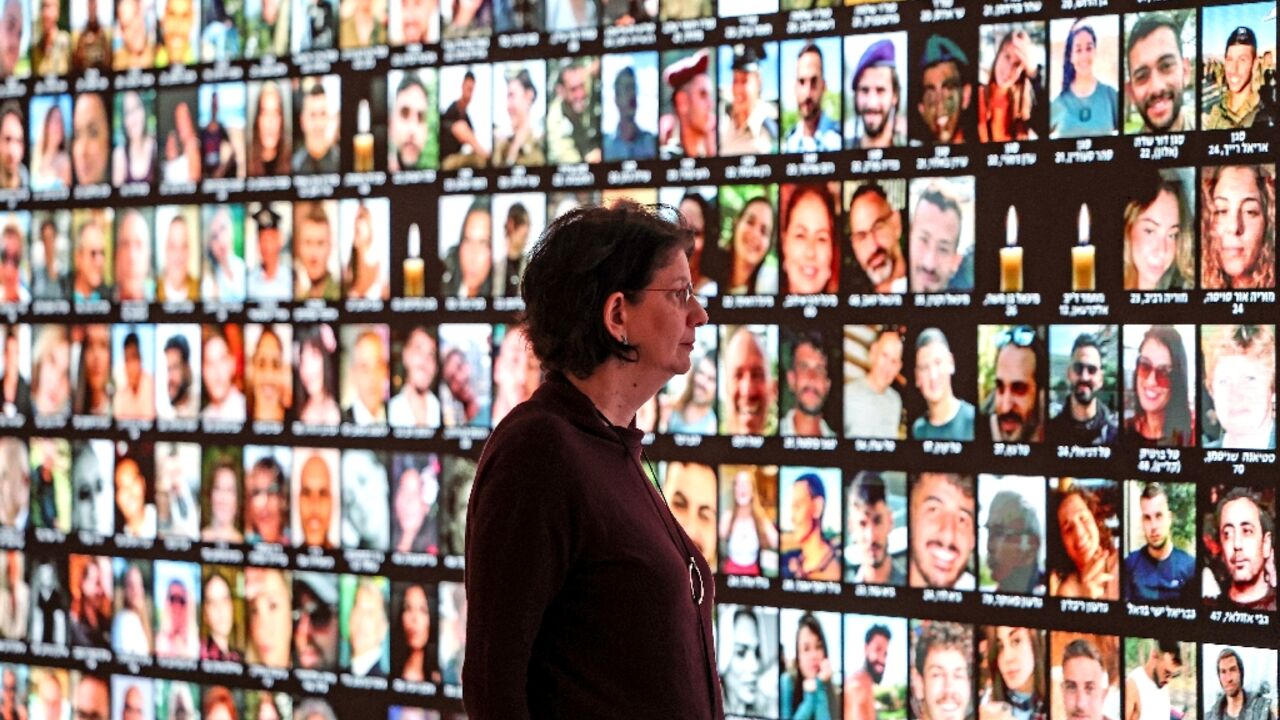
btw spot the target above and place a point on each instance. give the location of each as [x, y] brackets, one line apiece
[944, 92]
[1237, 105]
[270, 279]
[814, 131]
[876, 92]
[690, 129]
[750, 122]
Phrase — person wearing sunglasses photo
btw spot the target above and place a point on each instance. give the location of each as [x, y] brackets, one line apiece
[1014, 393]
[1086, 419]
[1160, 413]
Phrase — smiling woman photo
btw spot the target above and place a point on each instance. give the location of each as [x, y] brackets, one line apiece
[1160, 413]
[1158, 228]
[1239, 228]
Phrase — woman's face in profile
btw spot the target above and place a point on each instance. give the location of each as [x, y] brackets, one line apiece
[1242, 387]
[811, 653]
[1079, 530]
[1082, 51]
[270, 119]
[1015, 658]
[1153, 239]
[752, 233]
[808, 245]
[415, 618]
[1154, 384]
[1239, 222]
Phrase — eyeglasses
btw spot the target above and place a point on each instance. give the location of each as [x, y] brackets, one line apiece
[682, 295]
[1084, 368]
[1021, 336]
[1163, 373]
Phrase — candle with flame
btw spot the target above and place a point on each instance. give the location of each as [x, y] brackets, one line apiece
[1011, 255]
[1082, 256]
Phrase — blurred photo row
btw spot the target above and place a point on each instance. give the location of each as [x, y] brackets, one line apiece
[1138, 385]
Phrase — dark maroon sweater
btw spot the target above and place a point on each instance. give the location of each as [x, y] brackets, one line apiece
[578, 599]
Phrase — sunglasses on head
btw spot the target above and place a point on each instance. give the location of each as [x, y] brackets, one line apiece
[1021, 336]
[1163, 373]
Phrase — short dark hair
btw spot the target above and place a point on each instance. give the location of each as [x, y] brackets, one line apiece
[943, 636]
[583, 257]
[131, 341]
[268, 464]
[518, 215]
[411, 80]
[877, 629]
[1172, 647]
[1244, 493]
[1149, 23]
[811, 47]
[1084, 340]
[1153, 490]
[869, 188]
[1231, 653]
[867, 488]
[179, 343]
[1082, 648]
[812, 338]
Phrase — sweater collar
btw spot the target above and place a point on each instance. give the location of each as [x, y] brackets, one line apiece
[584, 414]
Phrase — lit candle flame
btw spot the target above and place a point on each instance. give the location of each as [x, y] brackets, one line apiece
[1011, 228]
[1083, 225]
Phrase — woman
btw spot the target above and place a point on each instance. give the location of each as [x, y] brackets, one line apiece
[1240, 378]
[91, 608]
[1007, 106]
[318, 377]
[268, 707]
[1085, 106]
[271, 393]
[135, 516]
[469, 264]
[51, 53]
[752, 237]
[51, 169]
[810, 250]
[807, 689]
[625, 274]
[1085, 559]
[516, 373]
[415, 642]
[1163, 416]
[1015, 675]
[50, 386]
[699, 214]
[364, 276]
[694, 412]
[92, 392]
[134, 160]
[219, 620]
[1239, 231]
[415, 525]
[746, 532]
[266, 503]
[134, 47]
[131, 632]
[182, 159]
[1157, 238]
[269, 152]
[224, 505]
[524, 145]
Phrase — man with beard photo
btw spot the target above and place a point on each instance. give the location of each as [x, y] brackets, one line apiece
[408, 124]
[573, 117]
[814, 131]
[182, 398]
[876, 93]
[1157, 74]
[1016, 402]
[1146, 689]
[1084, 419]
[809, 383]
[1235, 702]
[859, 689]
[875, 236]
[943, 531]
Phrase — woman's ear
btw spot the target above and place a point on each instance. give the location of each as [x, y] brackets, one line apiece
[615, 316]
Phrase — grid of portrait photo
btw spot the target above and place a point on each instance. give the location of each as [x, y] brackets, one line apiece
[983, 423]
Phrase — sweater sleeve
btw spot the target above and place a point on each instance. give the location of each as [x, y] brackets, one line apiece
[521, 541]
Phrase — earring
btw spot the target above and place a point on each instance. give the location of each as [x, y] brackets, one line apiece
[624, 339]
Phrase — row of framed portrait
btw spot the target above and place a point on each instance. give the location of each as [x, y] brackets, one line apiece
[1136, 385]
